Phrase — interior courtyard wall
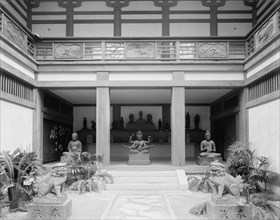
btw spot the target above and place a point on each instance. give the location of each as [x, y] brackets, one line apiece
[181, 24]
[264, 133]
[16, 126]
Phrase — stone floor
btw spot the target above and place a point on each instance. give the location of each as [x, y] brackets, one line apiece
[149, 204]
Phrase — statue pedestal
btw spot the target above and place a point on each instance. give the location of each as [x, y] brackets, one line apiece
[230, 211]
[49, 209]
[206, 161]
[139, 159]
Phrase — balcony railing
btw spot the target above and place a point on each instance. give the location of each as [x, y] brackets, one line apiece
[16, 34]
[148, 49]
[137, 50]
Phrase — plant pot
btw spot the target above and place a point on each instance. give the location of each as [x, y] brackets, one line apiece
[13, 198]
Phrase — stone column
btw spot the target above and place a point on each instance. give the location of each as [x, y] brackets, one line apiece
[253, 4]
[165, 5]
[69, 5]
[242, 117]
[213, 5]
[38, 124]
[29, 5]
[103, 119]
[117, 5]
[178, 122]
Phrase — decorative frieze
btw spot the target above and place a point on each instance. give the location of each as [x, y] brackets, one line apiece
[140, 50]
[212, 50]
[68, 51]
[266, 32]
[14, 33]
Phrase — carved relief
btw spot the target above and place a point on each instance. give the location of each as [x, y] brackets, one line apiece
[55, 214]
[212, 50]
[68, 51]
[140, 50]
[266, 32]
[36, 214]
[14, 33]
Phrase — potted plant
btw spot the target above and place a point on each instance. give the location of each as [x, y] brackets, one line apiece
[19, 166]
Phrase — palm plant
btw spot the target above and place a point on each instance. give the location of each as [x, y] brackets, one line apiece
[261, 174]
[87, 173]
[240, 159]
[19, 166]
[204, 184]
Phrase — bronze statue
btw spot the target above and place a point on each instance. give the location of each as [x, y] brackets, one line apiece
[140, 119]
[188, 120]
[208, 146]
[85, 123]
[159, 124]
[131, 119]
[139, 145]
[196, 121]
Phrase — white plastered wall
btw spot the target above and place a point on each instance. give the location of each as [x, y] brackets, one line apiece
[16, 127]
[264, 131]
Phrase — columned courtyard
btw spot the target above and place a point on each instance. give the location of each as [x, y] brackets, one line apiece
[131, 109]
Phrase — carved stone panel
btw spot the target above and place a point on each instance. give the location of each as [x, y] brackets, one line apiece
[68, 51]
[266, 31]
[17, 36]
[140, 50]
[212, 50]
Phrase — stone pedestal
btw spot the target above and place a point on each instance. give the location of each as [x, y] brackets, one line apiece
[45, 209]
[206, 161]
[228, 211]
[139, 159]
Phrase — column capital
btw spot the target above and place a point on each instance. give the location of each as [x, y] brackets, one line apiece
[32, 3]
[213, 3]
[165, 3]
[70, 3]
[117, 3]
[251, 3]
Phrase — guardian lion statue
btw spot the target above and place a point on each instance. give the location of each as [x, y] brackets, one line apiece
[52, 181]
[223, 182]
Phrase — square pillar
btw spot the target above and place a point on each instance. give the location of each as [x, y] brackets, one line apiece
[178, 122]
[38, 124]
[103, 119]
[242, 117]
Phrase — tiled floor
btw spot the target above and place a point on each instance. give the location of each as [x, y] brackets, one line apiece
[149, 204]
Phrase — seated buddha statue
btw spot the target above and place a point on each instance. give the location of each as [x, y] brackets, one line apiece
[74, 147]
[140, 120]
[208, 147]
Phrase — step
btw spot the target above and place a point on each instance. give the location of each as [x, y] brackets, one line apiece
[143, 173]
[141, 180]
[144, 186]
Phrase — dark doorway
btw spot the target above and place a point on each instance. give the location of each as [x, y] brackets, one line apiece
[224, 133]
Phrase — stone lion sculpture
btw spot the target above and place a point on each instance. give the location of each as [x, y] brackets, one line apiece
[52, 181]
[223, 182]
